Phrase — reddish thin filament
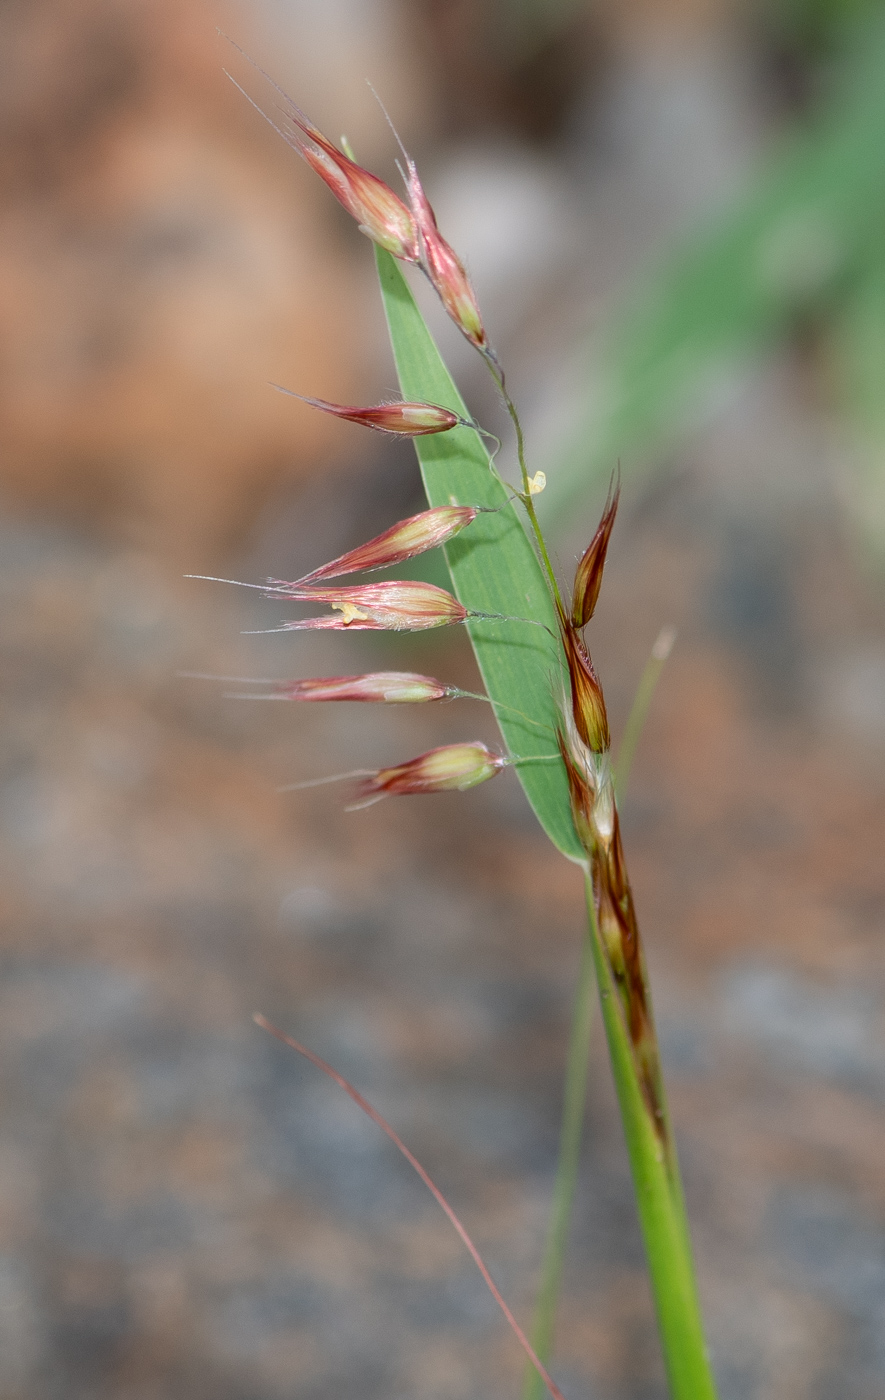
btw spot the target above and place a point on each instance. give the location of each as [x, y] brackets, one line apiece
[431, 1186]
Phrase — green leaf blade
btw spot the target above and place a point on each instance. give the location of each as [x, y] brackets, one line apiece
[494, 570]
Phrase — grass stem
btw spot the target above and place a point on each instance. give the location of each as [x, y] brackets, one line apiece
[571, 1132]
[639, 709]
[659, 1200]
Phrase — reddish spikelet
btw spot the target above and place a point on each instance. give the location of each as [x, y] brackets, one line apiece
[405, 540]
[387, 687]
[619, 930]
[400, 419]
[581, 792]
[598, 829]
[444, 268]
[588, 576]
[588, 705]
[452, 768]
[380, 214]
[389, 607]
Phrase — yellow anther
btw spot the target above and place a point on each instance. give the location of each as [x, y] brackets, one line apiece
[350, 613]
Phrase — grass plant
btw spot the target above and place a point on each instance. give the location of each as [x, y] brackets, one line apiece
[527, 633]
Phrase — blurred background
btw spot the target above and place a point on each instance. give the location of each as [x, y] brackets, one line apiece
[674, 214]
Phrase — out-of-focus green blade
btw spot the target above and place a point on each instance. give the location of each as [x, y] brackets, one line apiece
[493, 568]
[789, 246]
[858, 362]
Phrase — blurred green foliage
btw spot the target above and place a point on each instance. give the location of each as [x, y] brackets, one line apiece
[802, 250]
[813, 30]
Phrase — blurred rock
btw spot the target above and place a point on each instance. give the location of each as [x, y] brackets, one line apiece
[161, 260]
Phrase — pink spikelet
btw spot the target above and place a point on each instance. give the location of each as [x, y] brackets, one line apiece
[452, 768]
[385, 607]
[445, 269]
[384, 687]
[380, 214]
[398, 419]
[404, 540]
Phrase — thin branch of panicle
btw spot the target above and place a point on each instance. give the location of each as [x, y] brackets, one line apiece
[431, 1185]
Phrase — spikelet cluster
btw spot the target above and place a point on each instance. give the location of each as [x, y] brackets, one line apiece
[409, 233]
[584, 744]
[392, 606]
[409, 230]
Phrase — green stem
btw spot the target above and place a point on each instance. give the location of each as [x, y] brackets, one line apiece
[659, 1201]
[526, 496]
[575, 1088]
[574, 1098]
